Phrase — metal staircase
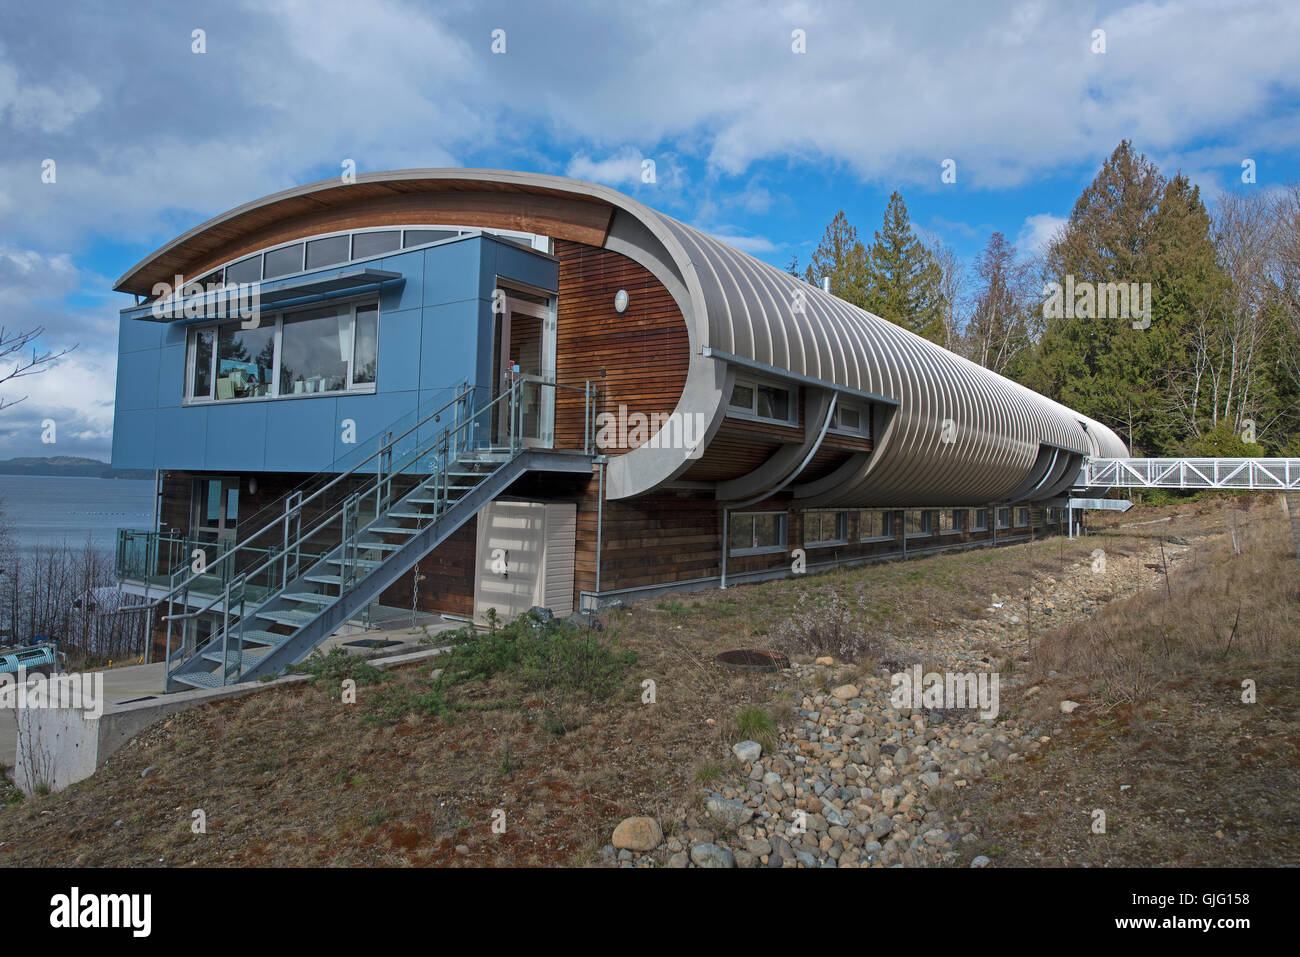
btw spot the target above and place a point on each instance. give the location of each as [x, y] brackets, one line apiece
[294, 582]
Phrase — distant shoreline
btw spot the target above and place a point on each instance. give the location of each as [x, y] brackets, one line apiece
[68, 466]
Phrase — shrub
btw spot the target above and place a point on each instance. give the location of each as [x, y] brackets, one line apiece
[334, 667]
[826, 626]
[755, 724]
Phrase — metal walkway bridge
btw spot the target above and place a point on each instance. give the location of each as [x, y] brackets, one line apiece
[1276, 475]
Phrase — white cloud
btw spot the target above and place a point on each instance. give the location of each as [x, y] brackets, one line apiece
[1037, 233]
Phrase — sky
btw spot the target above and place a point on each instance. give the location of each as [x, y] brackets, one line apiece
[762, 120]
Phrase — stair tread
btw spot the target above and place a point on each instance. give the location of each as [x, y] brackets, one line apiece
[361, 562]
[245, 658]
[310, 597]
[265, 637]
[394, 530]
[286, 616]
[200, 679]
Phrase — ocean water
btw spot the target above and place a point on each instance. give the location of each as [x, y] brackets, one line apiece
[54, 509]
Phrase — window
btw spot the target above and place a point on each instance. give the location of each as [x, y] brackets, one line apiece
[1004, 518]
[283, 261]
[756, 533]
[418, 237]
[951, 521]
[979, 519]
[327, 252]
[825, 528]
[874, 524]
[246, 270]
[851, 420]
[759, 400]
[373, 244]
[916, 522]
[1022, 516]
[332, 349]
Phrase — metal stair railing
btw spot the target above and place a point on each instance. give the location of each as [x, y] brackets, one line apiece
[225, 568]
[422, 473]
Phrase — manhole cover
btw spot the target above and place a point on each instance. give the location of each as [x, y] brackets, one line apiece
[751, 659]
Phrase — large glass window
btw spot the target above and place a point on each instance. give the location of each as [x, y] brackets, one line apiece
[753, 533]
[917, 522]
[201, 362]
[245, 360]
[333, 349]
[873, 524]
[825, 528]
[366, 350]
[314, 348]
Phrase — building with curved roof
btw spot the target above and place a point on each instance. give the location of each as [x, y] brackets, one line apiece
[677, 410]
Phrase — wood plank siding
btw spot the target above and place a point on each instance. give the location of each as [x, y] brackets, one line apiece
[638, 359]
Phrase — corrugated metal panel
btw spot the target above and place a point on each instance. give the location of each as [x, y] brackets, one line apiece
[997, 424]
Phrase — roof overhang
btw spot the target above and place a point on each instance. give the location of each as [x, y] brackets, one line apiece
[243, 299]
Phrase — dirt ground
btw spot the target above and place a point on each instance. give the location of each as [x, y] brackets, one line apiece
[293, 776]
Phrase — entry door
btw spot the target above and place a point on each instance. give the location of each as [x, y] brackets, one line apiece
[526, 339]
[216, 509]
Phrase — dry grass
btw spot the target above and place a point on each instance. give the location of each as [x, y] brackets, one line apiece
[1186, 772]
[292, 777]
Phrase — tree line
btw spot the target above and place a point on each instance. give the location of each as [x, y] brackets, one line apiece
[1176, 325]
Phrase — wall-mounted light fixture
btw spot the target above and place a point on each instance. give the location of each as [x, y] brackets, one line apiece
[620, 301]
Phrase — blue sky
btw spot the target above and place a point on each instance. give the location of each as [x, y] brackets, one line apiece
[751, 140]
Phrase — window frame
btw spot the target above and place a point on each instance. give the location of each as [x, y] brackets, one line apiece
[979, 520]
[276, 323]
[863, 431]
[751, 413]
[783, 528]
[954, 523]
[841, 528]
[886, 525]
[1021, 517]
[927, 523]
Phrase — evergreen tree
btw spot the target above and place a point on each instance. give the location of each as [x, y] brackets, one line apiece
[903, 278]
[841, 256]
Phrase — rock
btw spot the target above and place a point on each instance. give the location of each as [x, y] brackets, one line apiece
[881, 826]
[609, 853]
[758, 846]
[585, 619]
[625, 855]
[461, 849]
[747, 752]
[930, 779]
[824, 660]
[980, 861]
[1033, 691]
[537, 611]
[638, 834]
[999, 750]
[731, 813]
[149, 770]
[710, 855]
[678, 860]
[845, 692]
[1067, 707]
[745, 859]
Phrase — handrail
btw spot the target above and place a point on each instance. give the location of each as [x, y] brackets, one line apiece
[441, 451]
[437, 441]
[461, 392]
